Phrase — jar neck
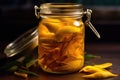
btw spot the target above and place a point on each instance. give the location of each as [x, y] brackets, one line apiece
[61, 10]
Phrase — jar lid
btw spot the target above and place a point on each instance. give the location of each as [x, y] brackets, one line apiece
[23, 42]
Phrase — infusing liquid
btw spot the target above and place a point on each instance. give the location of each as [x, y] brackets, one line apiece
[61, 45]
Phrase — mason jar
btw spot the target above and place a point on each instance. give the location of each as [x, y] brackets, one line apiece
[61, 36]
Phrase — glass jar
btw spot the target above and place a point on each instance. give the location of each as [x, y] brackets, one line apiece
[61, 35]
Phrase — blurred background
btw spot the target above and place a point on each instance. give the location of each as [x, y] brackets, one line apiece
[17, 16]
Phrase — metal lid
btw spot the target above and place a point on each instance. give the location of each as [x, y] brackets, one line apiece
[27, 40]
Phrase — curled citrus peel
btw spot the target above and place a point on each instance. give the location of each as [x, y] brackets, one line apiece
[98, 71]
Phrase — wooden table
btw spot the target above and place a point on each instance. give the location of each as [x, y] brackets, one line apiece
[109, 52]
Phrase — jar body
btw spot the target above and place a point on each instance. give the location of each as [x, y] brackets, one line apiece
[61, 44]
[61, 34]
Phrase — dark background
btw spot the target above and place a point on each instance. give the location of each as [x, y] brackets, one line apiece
[17, 16]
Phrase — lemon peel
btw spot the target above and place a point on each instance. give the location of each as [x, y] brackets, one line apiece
[102, 74]
[98, 71]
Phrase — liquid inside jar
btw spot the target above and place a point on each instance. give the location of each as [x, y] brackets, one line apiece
[61, 44]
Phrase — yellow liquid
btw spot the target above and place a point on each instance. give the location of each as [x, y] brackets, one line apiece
[61, 45]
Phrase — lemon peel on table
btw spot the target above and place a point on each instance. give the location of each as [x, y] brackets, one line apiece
[90, 69]
[98, 71]
[102, 74]
[105, 65]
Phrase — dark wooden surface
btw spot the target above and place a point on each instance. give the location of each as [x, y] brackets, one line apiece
[109, 52]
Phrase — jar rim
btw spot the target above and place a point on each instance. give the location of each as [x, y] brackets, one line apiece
[21, 43]
[61, 9]
[76, 5]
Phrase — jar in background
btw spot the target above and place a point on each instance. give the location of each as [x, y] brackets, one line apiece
[61, 35]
